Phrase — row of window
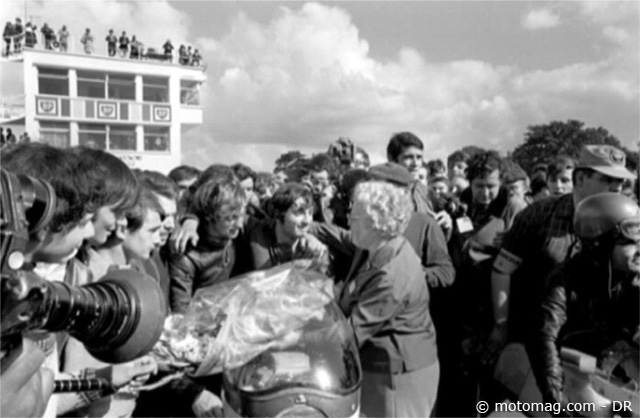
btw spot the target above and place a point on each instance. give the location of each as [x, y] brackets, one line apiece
[100, 85]
[106, 137]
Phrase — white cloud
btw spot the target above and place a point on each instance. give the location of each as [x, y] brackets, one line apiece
[616, 35]
[306, 78]
[609, 12]
[540, 19]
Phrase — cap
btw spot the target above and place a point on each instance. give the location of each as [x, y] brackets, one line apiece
[605, 159]
[393, 173]
[512, 172]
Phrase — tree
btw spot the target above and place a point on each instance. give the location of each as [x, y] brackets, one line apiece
[288, 158]
[543, 143]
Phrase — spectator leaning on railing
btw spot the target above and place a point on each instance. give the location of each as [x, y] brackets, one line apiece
[87, 41]
[49, 36]
[196, 58]
[7, 34]
[17, 36]
[30, 37]
[168, 50]
[63, 38]
[112, 41]
[136, 48]
[124, 44]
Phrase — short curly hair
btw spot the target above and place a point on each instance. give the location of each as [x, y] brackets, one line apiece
[389, 206]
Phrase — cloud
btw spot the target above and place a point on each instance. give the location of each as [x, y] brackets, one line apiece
[306, 77]
[608, 12]
[540, 19]
[616, 35]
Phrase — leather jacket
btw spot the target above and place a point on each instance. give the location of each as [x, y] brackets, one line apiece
[586, 309]
[205, 265]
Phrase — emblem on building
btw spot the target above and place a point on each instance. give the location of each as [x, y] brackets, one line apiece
[46, 106]
[162, 114]
[107, 110]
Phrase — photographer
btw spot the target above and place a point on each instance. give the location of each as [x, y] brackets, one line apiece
[51, 249]
[54, 244]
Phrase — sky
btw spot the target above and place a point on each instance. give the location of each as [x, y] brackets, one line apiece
[297, 75]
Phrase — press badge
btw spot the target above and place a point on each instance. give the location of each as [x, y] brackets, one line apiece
[464, 224]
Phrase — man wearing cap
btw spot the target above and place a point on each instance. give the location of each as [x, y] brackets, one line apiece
[540, 239]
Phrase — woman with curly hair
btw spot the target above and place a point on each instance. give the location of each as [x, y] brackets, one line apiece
[386, 299]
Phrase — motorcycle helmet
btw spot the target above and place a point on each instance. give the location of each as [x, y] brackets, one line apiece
[315, 374]
[607, 216]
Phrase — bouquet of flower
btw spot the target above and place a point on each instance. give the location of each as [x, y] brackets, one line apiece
[229, 324]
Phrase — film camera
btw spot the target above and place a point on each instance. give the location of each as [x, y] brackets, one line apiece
[343, 150]
[118, 318]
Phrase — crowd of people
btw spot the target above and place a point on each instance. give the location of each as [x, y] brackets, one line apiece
[16, 37]
[10, 138]
[437, 267]
[19, 36]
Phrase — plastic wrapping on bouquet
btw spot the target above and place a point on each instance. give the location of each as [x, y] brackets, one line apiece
[316, 374]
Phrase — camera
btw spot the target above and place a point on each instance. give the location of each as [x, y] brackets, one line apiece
[118, 318]
[343, 150]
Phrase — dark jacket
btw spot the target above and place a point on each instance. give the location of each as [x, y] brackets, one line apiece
[209, 263]
[262, 250]
[582, 310]
[386, 300]
[427, 239]
[420, 198]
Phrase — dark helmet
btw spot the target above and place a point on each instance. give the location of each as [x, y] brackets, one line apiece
[607, 215]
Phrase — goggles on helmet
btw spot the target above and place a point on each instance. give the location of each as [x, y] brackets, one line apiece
[629, 230]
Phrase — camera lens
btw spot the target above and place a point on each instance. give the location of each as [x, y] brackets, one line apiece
[118, 319]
